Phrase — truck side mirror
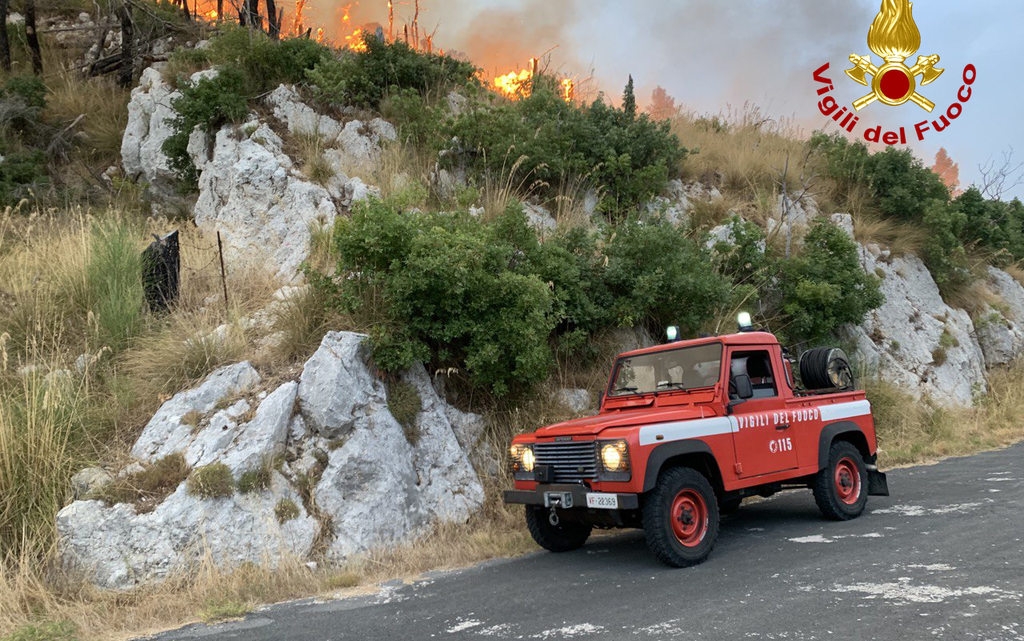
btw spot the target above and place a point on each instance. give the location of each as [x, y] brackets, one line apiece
[744, 388]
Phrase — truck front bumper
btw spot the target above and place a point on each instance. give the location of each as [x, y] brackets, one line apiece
[557, 494]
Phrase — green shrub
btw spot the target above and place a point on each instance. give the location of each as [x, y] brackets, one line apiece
[944, 252]
[487, 297]
[824, 287]
[183, 62]
[286, 510]
[263, 61]
[327, 81]
[418, 123]
[404, 403]
[631, 157]
[21, 172]
[206, 104]
[211, 481]
[900, 185]
[657, 275]
[29, 88]
[370, 75]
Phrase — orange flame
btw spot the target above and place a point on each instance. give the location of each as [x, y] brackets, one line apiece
[568, 89]
[515, 84]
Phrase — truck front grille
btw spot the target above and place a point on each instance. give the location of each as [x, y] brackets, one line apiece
[568, 461]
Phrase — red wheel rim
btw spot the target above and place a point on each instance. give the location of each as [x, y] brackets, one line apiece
[689, 517]
[847, 481]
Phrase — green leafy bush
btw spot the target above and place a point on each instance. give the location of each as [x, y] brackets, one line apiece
[266, 62]
[20, 173]
[824, 287]
[211, 481]
[900, 185]
[657, 276]
[631, 156]
[206, 104]
[487, 297]
[370, 75]
[944, 252]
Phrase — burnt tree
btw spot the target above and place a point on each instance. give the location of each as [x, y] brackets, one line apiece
[273, 20]
[127, 72]
[5, 44]
[32, 38]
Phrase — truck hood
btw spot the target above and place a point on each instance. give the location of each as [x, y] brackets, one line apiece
[593, 425]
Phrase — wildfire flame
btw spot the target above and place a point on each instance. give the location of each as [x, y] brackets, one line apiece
[516, 84]
[568, 89]
[894, 34]
[519, 84]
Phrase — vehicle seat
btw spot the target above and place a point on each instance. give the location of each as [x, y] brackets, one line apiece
[761, 378]
[737, 367]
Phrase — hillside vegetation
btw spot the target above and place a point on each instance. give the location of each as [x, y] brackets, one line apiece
[455, 278]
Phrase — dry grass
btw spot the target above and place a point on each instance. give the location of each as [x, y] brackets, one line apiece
[315, 164]
[741, 150]
[911, 431]
[102, 106]
[898, 237]
[570, 201]
[976, 297]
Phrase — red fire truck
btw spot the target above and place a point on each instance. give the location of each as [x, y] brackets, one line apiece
[686, 431]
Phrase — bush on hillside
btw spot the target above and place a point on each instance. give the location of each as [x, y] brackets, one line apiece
[944, 252]
[900, 185]
[266, 62]
[631, 156]
[207, 104]
[364, 78]
[824, 287]
[488, 298]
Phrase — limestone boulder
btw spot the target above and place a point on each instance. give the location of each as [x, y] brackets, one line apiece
[915, 340]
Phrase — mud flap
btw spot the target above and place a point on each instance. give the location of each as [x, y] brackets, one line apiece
[877, 483]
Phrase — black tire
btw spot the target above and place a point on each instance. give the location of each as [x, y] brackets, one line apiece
[690, 488]
[564, 537]
[729, 506]
[841, 487]
[826, 368]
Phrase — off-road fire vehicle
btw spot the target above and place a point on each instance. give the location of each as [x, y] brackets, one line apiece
[688, 429]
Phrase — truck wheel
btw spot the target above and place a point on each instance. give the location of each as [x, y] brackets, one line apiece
[840, 488]
[563, 537]
[680, 518]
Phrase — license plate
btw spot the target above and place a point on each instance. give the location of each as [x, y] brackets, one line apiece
[603, 501]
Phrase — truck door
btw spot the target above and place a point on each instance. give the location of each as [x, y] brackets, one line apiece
[763, 439]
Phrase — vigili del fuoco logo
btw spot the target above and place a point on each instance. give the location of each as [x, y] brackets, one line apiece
[893, 37]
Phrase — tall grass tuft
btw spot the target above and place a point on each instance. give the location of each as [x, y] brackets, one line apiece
[113, 279]
[39, 418]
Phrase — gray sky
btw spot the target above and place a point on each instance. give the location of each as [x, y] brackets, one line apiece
[712, 53]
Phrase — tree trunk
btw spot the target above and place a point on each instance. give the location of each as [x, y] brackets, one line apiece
[252, 14]
[32, 37]
[220, 10]
[5, 44]
[126, 75]
[273, 20]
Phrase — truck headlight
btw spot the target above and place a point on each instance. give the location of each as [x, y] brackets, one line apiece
[614, 456]
[523, 459]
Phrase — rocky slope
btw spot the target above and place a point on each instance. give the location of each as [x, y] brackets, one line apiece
[355, 477]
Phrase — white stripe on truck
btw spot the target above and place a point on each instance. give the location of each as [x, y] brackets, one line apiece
[696, 428]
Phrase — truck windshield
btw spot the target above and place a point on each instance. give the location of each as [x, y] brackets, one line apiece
[670, 370]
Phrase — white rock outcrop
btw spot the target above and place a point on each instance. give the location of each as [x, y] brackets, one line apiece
[379, 488]
[149, 111]
[376, 482]
[253, 193]
[1000, 326]
[576, 400]
[118, 548]
[915, 340]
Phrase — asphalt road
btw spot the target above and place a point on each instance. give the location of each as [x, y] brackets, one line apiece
[942, 558]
